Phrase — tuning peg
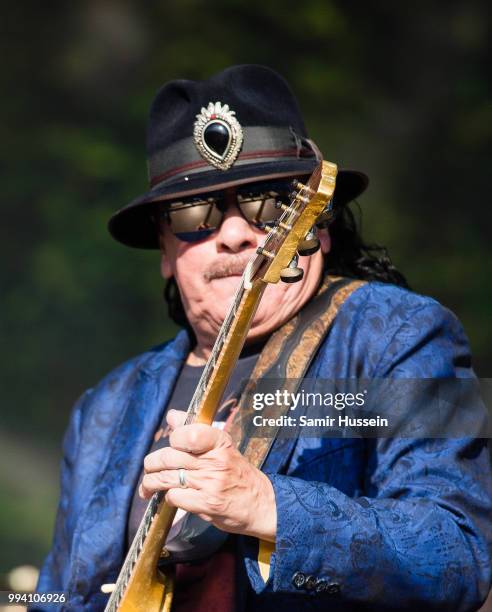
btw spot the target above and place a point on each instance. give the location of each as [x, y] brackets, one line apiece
[298, 186]
[262, 251]
[303, 194]
[293, 273]
[280, 204]
[310, 244]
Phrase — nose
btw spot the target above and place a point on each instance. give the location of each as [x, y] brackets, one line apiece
[235, 233]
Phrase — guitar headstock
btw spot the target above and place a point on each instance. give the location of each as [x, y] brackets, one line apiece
[292, 234]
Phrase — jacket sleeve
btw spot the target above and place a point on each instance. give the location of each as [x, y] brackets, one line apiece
[55, 570]
[421, 536]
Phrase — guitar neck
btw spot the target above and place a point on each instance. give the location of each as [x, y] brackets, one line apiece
[137, 578]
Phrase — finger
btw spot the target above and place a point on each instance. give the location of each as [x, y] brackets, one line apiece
[169, 459]
[198, 438]
[165, 480]
[176, 418]
[190, 500]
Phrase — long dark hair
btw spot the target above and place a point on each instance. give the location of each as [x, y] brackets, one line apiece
[349, 256]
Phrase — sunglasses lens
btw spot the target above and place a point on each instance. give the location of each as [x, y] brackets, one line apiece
[259, 210]
[195, 220]
[259, 205]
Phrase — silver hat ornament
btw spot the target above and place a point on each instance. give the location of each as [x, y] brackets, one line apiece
[218, 135]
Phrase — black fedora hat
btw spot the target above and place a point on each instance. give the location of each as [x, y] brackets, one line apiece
[242, 125]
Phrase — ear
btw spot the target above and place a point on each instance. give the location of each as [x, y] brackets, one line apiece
[324, 240]
[166, 271]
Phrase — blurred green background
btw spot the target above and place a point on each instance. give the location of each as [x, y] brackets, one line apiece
[398, 90]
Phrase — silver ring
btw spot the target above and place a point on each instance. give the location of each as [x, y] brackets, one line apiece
[182, 478]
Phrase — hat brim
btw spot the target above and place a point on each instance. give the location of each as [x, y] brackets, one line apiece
[133, 225]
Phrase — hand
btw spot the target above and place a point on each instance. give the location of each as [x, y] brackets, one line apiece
[223, 488]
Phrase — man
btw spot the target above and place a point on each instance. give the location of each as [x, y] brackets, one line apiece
[352, 523]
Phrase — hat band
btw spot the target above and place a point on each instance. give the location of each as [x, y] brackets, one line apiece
[260, 143]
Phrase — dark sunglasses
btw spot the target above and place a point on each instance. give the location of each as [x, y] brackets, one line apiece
[195, 218]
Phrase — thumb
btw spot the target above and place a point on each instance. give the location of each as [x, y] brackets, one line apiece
[175, 418]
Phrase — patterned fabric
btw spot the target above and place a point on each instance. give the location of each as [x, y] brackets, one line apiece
[370, 525]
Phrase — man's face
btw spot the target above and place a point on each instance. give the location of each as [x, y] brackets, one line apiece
[208, 273]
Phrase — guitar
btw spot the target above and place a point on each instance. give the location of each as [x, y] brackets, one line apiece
[141, 586]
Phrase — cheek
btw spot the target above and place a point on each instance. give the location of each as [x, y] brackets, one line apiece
[274, 300]
[190, 259]
[188, 272]
[277, 294]
[280, 297]
[190, 265]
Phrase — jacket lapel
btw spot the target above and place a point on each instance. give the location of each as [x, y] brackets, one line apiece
[99, 539]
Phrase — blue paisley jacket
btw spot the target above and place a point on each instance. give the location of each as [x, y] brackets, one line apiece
[386, 524]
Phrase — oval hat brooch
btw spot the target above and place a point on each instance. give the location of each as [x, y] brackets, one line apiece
[218, 135]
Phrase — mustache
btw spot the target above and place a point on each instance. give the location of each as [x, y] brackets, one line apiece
[230, 265]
